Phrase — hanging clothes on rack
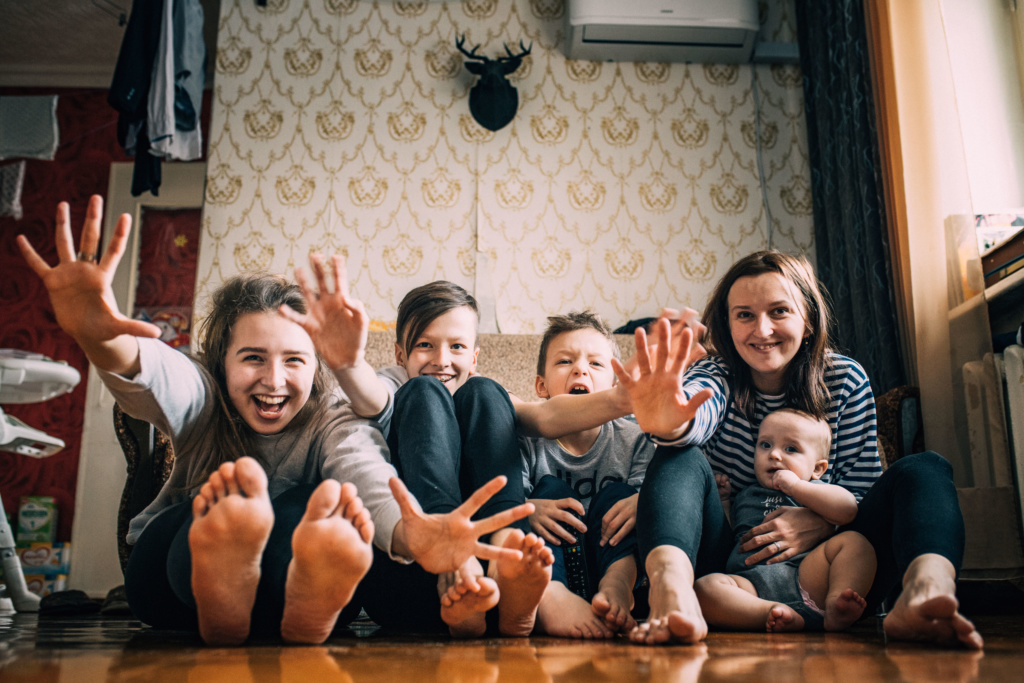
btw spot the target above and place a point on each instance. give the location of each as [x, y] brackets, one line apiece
[158, 87]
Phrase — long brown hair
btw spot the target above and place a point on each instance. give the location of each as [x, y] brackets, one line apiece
[804, 378]
[230, 436]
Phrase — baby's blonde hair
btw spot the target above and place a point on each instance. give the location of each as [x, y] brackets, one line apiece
[823, 427]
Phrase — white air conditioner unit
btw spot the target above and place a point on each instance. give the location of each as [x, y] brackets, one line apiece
[711, 31]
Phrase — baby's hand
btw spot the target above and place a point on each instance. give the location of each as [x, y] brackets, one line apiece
[546, 518]
[724, 487]
[782, 480]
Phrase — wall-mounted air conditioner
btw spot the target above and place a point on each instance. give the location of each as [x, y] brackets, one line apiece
[712, 31]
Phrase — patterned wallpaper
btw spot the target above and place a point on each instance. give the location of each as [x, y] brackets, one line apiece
[344, 126]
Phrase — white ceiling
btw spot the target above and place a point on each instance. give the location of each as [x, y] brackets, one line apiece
[70, 43]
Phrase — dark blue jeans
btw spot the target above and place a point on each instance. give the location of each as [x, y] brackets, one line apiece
[911, 510]
[599, 557]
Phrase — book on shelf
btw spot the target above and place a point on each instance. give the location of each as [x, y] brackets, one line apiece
[1003, 259]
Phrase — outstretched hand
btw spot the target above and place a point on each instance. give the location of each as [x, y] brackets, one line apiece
[79, 286]
[655, 388]
[337, 323]
[443, 542]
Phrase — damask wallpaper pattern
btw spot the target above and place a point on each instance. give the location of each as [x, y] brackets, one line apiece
[343, 126]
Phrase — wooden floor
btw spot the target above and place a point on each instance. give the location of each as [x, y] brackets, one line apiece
[111, 649]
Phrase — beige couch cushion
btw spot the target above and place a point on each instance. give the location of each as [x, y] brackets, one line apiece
[509, 359]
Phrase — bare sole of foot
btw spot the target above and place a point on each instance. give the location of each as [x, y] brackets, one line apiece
[783, 619]
[232, 519]
[844, 611]
[521, 584]
[465, 610]
[331, 553]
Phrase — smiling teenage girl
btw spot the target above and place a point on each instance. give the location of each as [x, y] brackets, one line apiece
[768, 333]
[255, 529]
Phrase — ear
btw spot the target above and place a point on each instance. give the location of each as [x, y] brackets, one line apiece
[399, 355]
[476, 355]
[819, 469]
[540, 387]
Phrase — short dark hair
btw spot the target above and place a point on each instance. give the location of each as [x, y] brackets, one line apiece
[425, 304]
[576, 320]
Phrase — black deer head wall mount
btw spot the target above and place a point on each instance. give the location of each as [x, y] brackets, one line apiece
[493, 101]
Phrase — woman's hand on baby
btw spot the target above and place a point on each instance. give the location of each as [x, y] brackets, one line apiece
[337, 323]
[619, 520]
[655, 387]
[80, 286]
[444, 542]
[785, 533]
[548, 516]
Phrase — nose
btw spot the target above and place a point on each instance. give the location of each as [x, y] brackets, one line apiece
[273, 375]
[580, 369]
[442, 357]
[775, 454]
[764, 326]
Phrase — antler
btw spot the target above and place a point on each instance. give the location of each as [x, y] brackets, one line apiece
[461, 41]
[525, 51]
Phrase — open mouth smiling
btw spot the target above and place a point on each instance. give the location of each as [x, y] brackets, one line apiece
[269, 406]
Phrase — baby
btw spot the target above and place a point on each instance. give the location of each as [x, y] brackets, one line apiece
[818, 590]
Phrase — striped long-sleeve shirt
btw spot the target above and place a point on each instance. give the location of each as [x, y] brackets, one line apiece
[728, 438]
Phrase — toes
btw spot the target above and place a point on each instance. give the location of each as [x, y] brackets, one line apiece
[249, 477]
[324, 500]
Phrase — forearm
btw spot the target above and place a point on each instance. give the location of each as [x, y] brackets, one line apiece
[565, 414]
[832, 503]
[366, 393]
[118, 356]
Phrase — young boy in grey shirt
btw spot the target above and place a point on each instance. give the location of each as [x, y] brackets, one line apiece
[587, 480]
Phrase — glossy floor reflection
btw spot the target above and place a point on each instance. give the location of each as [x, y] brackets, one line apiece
[108, 649]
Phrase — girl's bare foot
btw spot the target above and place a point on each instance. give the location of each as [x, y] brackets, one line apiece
[783, 619]
[463, 607]
[563, 613]
[331, 553]
[675, 613]
[232, 519]
[844, 610]
[927, 609]
[522, 583]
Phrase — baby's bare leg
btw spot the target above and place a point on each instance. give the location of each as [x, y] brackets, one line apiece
[331, 553]
[614, 598]
[232, 519]
[838, 574]
[731, 601]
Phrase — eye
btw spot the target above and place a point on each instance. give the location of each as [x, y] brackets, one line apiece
[421, 345]
[252, 358]
[781, 311]
[791, 449]
[743, 315]
[459, 347]
[765, 445]
[597, 364]
[296, 359]
[564, 361]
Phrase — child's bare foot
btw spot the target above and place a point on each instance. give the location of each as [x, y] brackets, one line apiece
[563, 613]
[522, 583]
[783, 619]
[613, 602]
[843, 612]
[675, 612]
[927, 609]
[331, 553]
[232, 519]
[464, 608]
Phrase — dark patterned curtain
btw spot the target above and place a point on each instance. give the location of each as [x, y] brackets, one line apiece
[846, 182]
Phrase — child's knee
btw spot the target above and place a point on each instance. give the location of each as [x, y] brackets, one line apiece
[849, 542]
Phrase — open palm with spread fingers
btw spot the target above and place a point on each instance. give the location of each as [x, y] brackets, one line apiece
[79, 286]
[655, 388]
[337, 323]
[443, 542]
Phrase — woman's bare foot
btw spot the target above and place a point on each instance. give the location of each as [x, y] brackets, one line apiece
[232, 519]
[927, 609]
[844, 610]
[783, 619]
[563, 613]
[675, 613]
[331, 553]
[463, 607]
[522, 583]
